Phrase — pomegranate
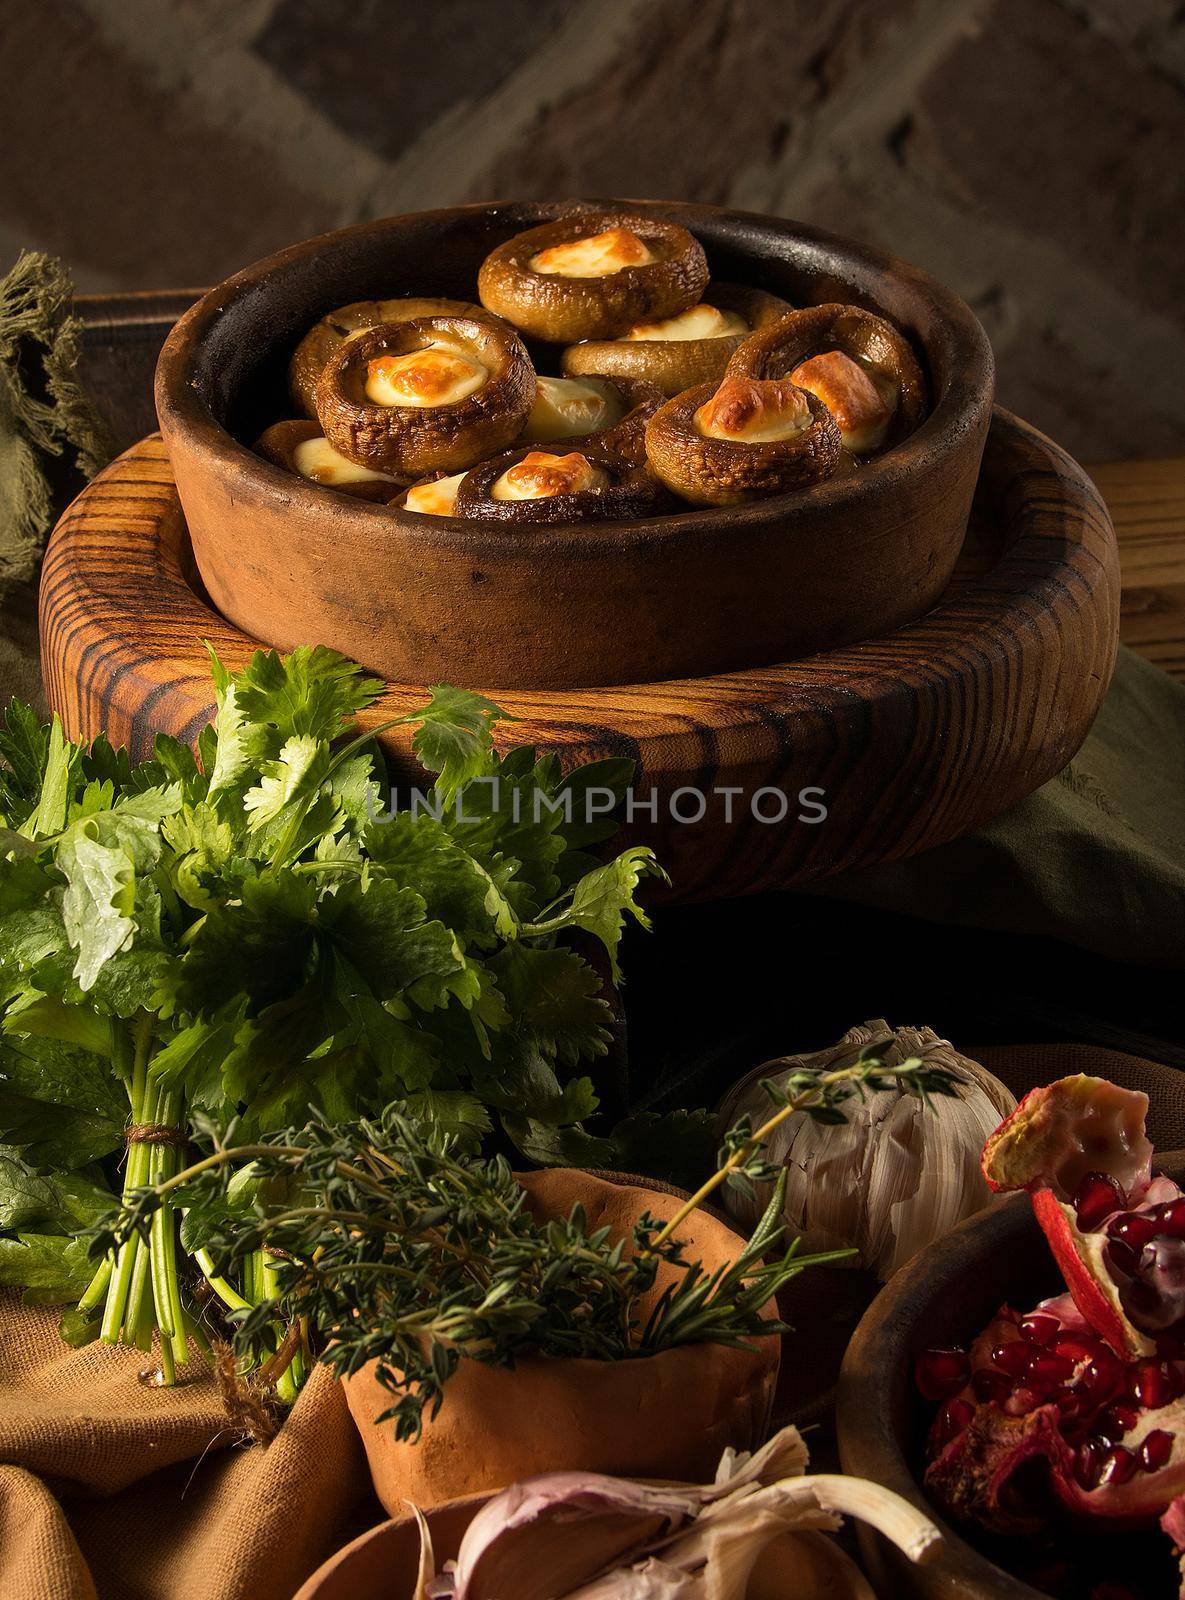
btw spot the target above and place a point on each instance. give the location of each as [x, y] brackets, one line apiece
[1079, 1147]
[1086, 1392]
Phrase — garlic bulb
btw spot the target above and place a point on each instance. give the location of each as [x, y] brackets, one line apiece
[897, 1173]
[585, 1536]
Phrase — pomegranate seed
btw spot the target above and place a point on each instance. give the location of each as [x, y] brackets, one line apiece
[1119, 1466]
[941, 1373]
[951, 1420]
[1077, 1346]
[1050, 1371]
[1015, 1357]
[1088, 1462]
[1070, 1404]
[990, 1387]
[1097, 1197]
[1038, 1329]
[1117, 1420]
[1172, 1218]
[1123, 1257]
[1103, 1378]
[1134, 1228]
[1153, 1383]
[1156, 1450]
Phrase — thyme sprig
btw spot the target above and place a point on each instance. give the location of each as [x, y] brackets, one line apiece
[393, 1245]
[396, 1247]
[819, 1095]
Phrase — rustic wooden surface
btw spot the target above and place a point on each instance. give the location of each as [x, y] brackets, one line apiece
[914, 738]
[1147, 504]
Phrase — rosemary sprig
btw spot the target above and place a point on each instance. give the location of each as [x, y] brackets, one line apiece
[395, 1247]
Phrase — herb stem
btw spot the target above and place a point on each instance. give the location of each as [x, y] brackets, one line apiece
[813, 1095]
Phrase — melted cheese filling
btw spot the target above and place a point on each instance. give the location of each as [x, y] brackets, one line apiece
[434, 376]
[566, 408]
[317, 460]
[701, 322]
[745, 411]
[541, 474]
[435, 499]
[594, 257]
[861, 409]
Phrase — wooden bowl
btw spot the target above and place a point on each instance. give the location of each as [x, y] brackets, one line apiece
[944, 1297]
[381, 1563]
[420, 599]
[914, 738]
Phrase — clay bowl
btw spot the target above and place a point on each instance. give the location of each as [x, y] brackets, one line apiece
[420, 599]
[381, 1564]
[943, 1297]
[668, 1416]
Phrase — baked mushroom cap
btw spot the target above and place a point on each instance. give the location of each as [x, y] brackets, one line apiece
[678, 356]
[532, 283]
[323, 340]
[467, 396]
[432, 497]
[580, 486]
[619, 429]
[768, 437]
[302, 448]
[869, 341]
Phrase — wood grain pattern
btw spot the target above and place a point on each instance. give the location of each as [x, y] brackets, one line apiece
[1147, 503]
[914, 738]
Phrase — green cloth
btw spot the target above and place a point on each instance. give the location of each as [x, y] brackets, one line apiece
[1096, 857]
[44, 413]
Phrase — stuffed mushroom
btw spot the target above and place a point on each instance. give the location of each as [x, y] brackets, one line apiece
[529, 485]
[434, 394]
[675, 353]
[593, 275]
[860, 367]
[325, 338]
[302, 448]
[742, 440]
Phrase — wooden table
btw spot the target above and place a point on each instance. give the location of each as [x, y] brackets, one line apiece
[1147, 504]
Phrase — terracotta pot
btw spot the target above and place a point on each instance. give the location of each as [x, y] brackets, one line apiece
[943, 1297]
[382, 1563]
[667, 1416]
[420, 599]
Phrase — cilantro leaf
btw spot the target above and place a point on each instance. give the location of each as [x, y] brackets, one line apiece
[455, 735]
[555, 997]
[259, 946]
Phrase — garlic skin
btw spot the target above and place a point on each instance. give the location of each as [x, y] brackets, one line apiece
[896, 1174]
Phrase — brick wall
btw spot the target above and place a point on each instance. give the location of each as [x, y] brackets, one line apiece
[1027, 151]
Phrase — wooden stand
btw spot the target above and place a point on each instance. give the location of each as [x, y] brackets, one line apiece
[913, 739]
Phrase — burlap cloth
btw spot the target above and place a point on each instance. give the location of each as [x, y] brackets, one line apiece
[113, 1491]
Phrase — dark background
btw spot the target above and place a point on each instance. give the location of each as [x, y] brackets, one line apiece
[1029, 152]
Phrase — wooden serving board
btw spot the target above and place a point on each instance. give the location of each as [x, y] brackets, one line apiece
[913, 739]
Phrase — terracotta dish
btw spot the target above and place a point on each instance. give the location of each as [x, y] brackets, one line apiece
[672, 1413]
[942, 1298]
[382, 1564]
[409, 596]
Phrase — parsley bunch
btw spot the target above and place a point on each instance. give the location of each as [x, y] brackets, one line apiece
[250, 933]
